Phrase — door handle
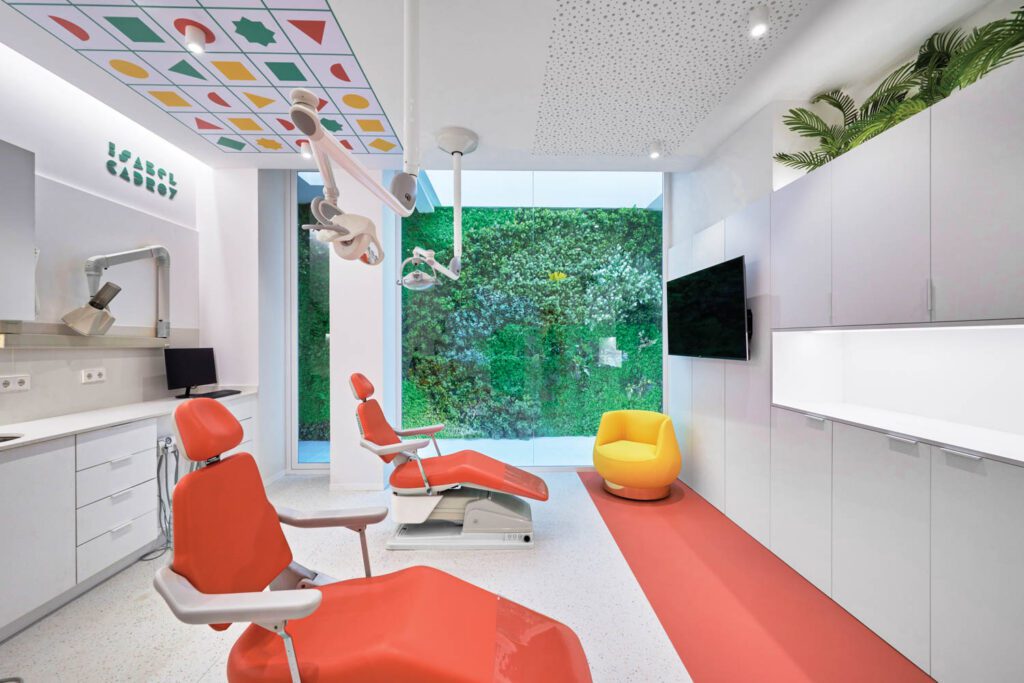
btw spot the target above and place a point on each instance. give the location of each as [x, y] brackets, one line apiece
[960, 454]
[902, 439]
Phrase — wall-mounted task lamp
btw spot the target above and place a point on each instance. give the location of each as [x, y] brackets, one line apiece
[95, 318]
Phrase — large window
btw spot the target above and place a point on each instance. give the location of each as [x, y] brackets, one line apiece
[314, 380]
[555, 319]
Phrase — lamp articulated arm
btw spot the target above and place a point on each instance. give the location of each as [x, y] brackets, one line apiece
[95, 265]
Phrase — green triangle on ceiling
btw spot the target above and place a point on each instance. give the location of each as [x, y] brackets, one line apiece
[186, 69]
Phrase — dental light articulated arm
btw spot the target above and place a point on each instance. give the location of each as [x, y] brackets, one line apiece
[95, 265]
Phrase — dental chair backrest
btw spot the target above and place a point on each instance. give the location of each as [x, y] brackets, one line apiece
[227, 538]
[372, 422]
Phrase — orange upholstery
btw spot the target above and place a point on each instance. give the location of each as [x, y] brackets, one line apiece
[361, 386]
[375, 426]
[227, 538]
[470, 467]
[418, 624]
[206, 428]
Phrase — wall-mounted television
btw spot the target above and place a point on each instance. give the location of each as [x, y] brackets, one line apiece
[707, 313]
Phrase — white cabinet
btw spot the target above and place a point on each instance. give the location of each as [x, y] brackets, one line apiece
[801, 251]
[977, 202]
[801, 494]
[17, 233]
[37, 525]
[748, 384]
[705, 468]
[880, 545]
[880, 228]
[977, 558]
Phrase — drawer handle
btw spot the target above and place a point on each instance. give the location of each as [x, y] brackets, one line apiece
[121, 494]
[816, 418]
[902, 439]
[960, 454]
[115, 463]
[121, 527]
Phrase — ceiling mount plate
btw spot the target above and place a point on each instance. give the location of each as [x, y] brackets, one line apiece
[454, 139]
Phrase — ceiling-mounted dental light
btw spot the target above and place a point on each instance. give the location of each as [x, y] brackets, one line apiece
[305, 150]
[195, 39]
[655, 151]
[758, 22]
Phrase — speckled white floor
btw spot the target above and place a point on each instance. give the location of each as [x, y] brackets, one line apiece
[122, 631]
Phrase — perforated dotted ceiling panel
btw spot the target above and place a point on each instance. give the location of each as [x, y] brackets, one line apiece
[622, 74]
[236, 94]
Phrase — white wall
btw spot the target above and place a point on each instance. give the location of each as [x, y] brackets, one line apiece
[357, 324]
[228, 272]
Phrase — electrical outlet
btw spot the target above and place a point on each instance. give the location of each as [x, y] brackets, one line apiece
[11, 383]
[94, 375]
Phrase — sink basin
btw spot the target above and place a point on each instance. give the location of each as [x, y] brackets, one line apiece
[9, 437]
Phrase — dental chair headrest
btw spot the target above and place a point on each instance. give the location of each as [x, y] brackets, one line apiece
[361, 387]
[206, 429]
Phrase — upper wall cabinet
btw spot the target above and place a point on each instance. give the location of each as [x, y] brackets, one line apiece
[801, 251]
[17, 233]
[977, 201]
[880, 228]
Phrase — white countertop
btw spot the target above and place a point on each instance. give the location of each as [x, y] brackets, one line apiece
[1005, 446]
[48, 428]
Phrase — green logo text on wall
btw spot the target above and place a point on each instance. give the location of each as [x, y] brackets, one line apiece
[140, 172]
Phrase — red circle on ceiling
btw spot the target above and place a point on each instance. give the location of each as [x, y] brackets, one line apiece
[71, 27]
[182, 24]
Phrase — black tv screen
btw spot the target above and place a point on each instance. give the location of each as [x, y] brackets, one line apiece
[707, 313]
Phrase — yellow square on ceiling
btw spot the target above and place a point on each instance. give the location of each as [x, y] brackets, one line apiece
[245, 123]
[371, 125]
[169, 98]
[382, 145]
[234, 71]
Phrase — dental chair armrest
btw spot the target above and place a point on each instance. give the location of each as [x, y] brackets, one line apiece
[355, 519]
[191, 606]
[419, 431]
[394, 448]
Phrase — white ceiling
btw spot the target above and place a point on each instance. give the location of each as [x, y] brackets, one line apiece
[572, 84]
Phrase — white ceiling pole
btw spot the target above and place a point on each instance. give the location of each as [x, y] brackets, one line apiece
[410, 89]
[457, 204]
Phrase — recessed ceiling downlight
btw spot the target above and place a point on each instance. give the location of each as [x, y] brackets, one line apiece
[655, 151]
[758, 23]
[195, 39]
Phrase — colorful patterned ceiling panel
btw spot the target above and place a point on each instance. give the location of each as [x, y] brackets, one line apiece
[236, 94]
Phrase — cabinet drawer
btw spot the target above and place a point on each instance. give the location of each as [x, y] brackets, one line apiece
[117, 475]
[248, 427]
[116, 544]
[111, 512]
[104, 445]
[243, 408]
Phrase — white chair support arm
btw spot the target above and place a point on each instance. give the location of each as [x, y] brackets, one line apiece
[354, 519]
[420, 431]
[191, 606]
[395, 448]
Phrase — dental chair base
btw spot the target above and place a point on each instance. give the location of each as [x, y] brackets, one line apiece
[472, 519]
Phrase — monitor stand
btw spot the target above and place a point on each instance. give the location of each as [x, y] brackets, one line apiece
[220, 393]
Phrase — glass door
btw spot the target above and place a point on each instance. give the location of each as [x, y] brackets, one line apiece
[312, 344]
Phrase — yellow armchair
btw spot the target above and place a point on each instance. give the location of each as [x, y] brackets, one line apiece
[637, 454]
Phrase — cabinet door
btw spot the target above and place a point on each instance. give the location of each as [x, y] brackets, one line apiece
[801, 495]
[748, 384]
[880, 228]
[880, 493]
[705, 470]
[802, 251]
[37, 532]
[17, 233]
[977, 202]
[977, 559]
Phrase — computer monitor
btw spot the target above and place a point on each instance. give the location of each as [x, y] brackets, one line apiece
[187, 368]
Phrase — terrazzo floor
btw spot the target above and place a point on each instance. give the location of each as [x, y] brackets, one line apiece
[122, 631]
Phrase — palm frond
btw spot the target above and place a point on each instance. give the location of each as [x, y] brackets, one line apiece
[885, 118]
[893, 88]
[839, 100]
[806, 123]
[804, 161]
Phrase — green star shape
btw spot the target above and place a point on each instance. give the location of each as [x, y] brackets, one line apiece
[254, 31]
[330, 124]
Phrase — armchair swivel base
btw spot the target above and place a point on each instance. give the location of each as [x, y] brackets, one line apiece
[636, 492]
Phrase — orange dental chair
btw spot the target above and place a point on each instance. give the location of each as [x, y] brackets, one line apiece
[418, 624]
[461, 500]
